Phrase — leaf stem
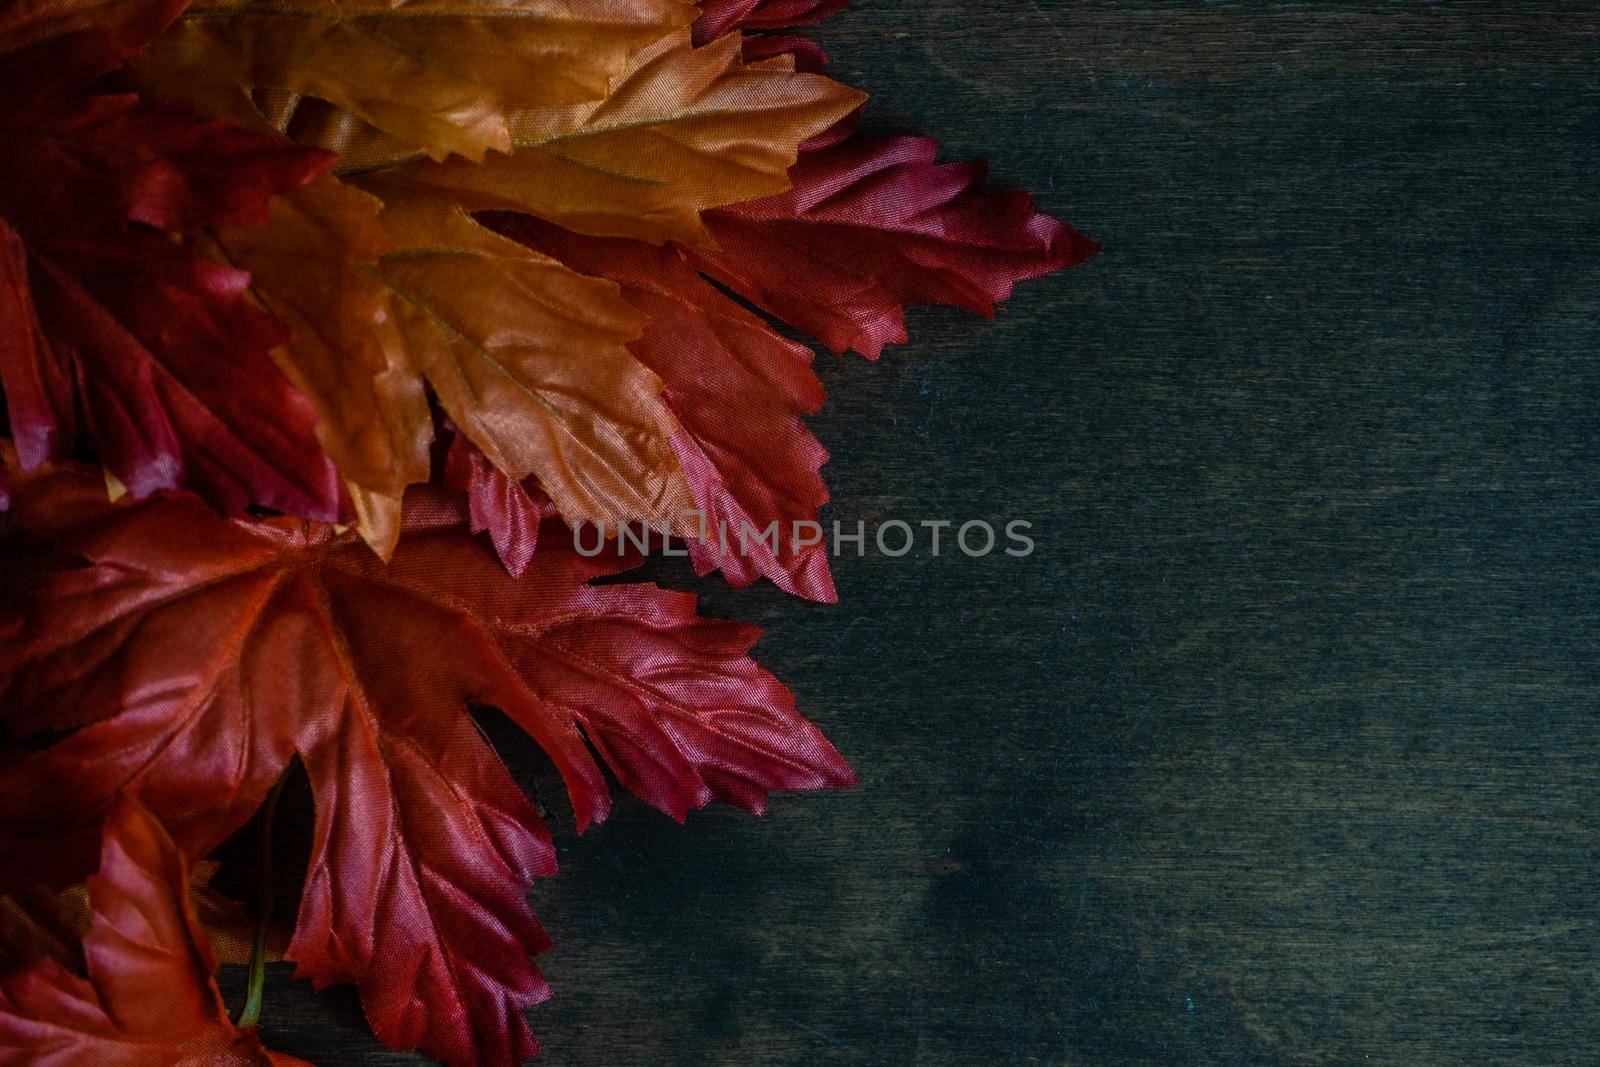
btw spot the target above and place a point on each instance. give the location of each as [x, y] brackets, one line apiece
[250, 1014]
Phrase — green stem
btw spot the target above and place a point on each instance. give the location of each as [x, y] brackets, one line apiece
[250, 1014]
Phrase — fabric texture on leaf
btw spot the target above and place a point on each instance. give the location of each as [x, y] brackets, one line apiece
[719, 18]
[53, 47]
[146, 996]
[27, 23]
[436, 75]
[40, 922]
[313, 267]
[511, 513]
[874, 224]
[114, 333]
[530, 360]
[684, 129]
[738, 389]
[199, 654]
[804, 53]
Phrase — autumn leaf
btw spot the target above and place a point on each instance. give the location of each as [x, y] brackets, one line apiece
[53, 45]
[313, 267]
[169, 651]
[528, 357]
[872, 225]
[683, 129]
[27, 23]
[206, 308]
[439, 75]
[721, 17]
[113, 332]
[146, 995]
[802, 53]
[40, 922]
[511, 513]
[530, 360]
[738, 389]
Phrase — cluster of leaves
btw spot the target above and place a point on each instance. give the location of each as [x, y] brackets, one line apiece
[321, 324]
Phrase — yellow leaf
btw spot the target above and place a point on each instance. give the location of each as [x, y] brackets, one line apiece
[683, 130]
[530, 359]
[439, 75]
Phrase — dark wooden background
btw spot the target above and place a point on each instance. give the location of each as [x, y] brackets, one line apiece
[1282, 749]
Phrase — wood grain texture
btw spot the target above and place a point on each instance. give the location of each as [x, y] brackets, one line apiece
[1282, 749]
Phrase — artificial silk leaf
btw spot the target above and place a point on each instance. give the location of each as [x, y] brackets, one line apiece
[439, 75]
[738, 390]
[25, 23]
[41, 922]
[721, 17]
[872, 225]
[54, 45]
[511, 513]
[683, 129]
[802, 52]
[530, 360]
[171, 648]
[147, 997]
[527, 356]
[312, 265]
[111, 331]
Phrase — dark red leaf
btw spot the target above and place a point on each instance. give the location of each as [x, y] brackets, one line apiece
[721, 17]
[48, 47]
[873, 225]
[510, 512]
[113, 332]
[148, 998]
[808, 54]
[200, 654]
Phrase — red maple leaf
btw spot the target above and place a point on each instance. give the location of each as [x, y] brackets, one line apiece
[148, 999]
[511, 513]
[874, 224]
[721, 17]
[809, 57]
[199, 654]
[110, 329]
